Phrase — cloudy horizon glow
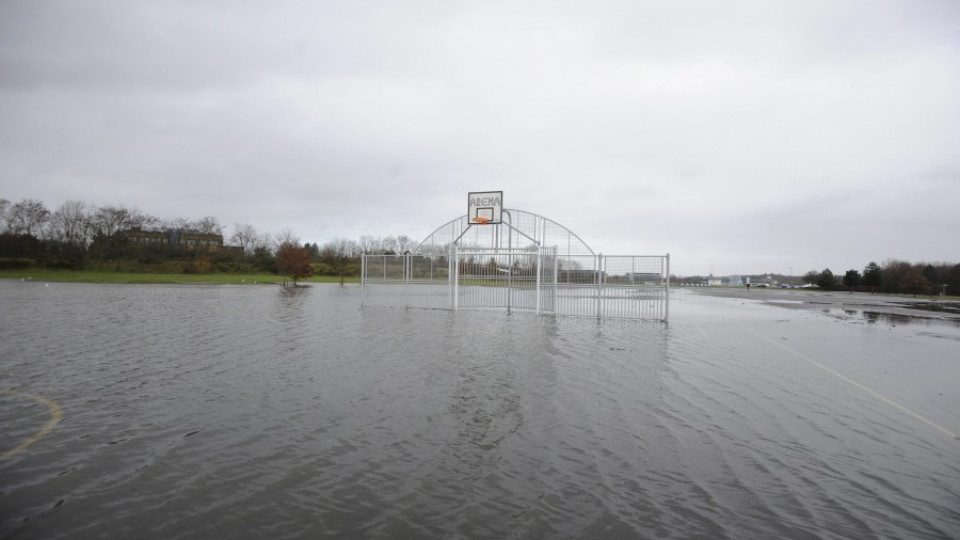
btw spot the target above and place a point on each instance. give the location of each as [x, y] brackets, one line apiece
[741, 137]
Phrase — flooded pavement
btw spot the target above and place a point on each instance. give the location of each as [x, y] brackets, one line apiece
[875, 306]
[259, 412]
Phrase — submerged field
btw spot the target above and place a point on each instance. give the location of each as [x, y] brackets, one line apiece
[163, 411]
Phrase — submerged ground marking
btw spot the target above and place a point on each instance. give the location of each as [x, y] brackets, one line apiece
[55, 416]
[866, 389]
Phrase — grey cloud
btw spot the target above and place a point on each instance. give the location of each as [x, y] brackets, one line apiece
[737, 135]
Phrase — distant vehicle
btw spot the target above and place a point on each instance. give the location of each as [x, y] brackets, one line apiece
[761, 285]
[784, 286]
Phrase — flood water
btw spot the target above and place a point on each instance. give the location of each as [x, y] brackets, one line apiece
[261, 412]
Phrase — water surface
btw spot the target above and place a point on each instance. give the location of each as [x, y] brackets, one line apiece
[262, 412]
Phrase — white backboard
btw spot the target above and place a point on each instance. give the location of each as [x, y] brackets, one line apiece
[484, 207]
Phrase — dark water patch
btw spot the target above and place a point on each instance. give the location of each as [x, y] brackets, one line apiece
[891, 319]
[940, 307]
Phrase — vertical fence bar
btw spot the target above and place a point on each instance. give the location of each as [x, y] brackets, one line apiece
[509, 281]
[599, 267]
[456, 278]
[406, 280]
[539, 260]
[555, 284]
[666, 301]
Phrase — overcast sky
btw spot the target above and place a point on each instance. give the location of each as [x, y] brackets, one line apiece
[742, 137]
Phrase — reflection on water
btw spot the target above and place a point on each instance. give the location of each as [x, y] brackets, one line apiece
[892, 319]
[264, 412]
[939, 306]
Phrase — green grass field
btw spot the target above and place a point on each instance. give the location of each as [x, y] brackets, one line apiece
[79, 276]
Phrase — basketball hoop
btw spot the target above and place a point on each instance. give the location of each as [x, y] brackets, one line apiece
[484, 208]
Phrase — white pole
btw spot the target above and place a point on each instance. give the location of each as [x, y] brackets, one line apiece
[456, 279]
[666, 311]
[406, 280]
[556, 284]
[538, 279]
[599, 286]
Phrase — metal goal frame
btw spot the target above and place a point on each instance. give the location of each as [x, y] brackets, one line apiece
[525, 263]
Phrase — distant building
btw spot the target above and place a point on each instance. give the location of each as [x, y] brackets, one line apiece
[766, 279]
[724, 281]
[187, 239]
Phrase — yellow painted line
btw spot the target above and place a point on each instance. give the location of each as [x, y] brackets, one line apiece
[866, 389]
[55, 416]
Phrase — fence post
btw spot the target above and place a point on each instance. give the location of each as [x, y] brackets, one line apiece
[407, 262]
[666, 311]
[599, 285]
[509, 280]
[539, 262]
[455, 260]
[556, 282]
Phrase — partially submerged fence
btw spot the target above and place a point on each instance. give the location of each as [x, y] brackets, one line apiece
[526, 262]
[626, 287]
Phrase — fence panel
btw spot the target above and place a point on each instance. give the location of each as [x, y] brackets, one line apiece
[624, 287]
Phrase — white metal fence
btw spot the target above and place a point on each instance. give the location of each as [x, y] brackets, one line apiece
[537, 280]
[527, 262]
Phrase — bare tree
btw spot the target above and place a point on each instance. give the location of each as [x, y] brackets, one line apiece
[913, 281]
[177, 224]
[4, 204]
[339, 251]
[28, 216]
[70, 224]
[894, 271]
[286, 236]
[245, 236]
[107, 221]
[208, 225]
[370, 245]
[389, 245]
[405, 244]
[265, 242]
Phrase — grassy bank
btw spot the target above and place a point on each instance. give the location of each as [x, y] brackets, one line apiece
[78, 276]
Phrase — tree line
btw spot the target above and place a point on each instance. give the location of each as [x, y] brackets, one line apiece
[81, 236]
[78, 235]
[894, 276]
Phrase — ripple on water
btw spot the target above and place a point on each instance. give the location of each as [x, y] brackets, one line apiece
[254, 412]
